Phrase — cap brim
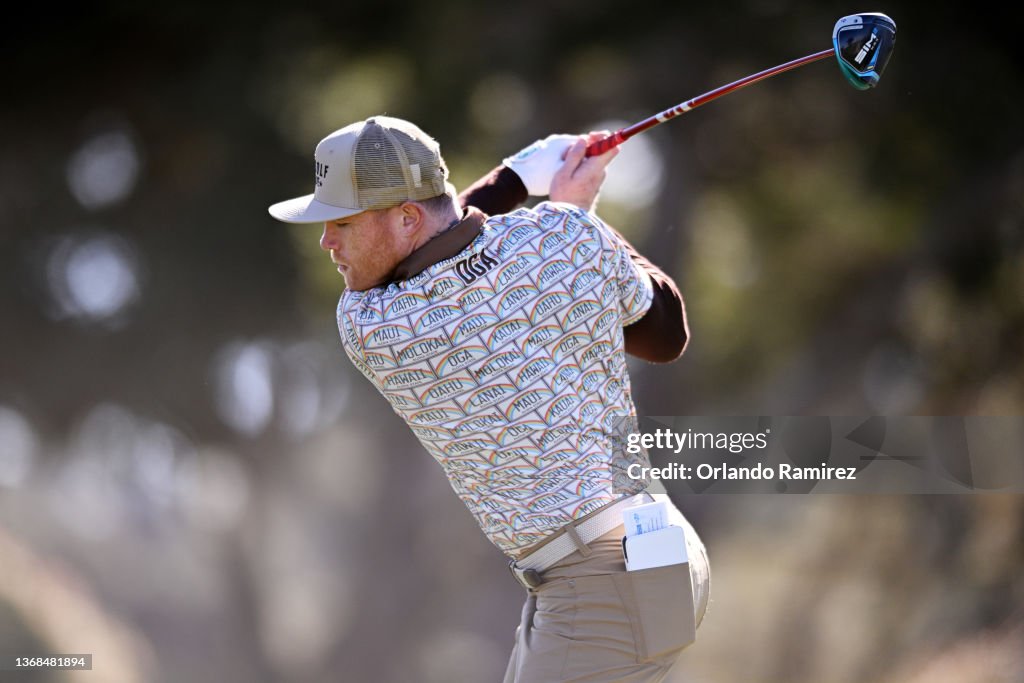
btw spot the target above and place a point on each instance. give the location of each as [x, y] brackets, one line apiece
[309, 210]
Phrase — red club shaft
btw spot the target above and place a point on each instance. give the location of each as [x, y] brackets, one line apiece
[623, 134]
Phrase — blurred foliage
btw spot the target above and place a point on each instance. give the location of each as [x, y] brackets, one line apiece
[183, 438]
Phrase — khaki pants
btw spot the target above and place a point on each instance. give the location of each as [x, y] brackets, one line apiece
[591, 621]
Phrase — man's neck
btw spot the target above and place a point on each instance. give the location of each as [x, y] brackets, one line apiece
[437, 226]
[447, 240]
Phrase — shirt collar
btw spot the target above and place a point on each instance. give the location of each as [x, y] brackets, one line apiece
[441, 246]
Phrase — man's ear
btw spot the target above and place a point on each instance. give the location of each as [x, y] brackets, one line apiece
[413, 217]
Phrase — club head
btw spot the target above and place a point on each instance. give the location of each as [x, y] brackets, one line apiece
[863, 44]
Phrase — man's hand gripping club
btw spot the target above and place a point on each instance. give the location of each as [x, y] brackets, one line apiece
[558, 166]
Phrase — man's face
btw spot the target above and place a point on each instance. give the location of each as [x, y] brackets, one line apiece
[366, 247]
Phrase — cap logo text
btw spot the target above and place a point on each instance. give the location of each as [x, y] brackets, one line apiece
[321, 173]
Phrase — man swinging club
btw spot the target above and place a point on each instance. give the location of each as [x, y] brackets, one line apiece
[500, 339]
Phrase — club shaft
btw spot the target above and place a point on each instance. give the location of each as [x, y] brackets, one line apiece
[623, 134]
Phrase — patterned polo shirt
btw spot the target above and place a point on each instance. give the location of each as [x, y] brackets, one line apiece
[507, 362]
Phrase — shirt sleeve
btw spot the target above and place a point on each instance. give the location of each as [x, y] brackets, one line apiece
[654, 314]
[351, 342]
[636, 291]
[634, 288]
[662, 334]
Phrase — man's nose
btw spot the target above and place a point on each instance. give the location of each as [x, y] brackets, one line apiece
[329, 240]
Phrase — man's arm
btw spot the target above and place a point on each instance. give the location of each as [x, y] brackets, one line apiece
[661, 335]
[528, 172]
[500, 191]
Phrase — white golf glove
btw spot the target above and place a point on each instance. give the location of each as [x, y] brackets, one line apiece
[537, 164]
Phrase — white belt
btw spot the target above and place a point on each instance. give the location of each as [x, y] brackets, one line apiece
[563, 545]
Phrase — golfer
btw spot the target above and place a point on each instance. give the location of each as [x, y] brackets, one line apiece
[500, 340]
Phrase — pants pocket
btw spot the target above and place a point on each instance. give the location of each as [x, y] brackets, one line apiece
[661, 609]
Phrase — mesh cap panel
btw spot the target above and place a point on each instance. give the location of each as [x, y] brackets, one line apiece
[393, 162]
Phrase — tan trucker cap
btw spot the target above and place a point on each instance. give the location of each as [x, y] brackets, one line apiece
[373, 164]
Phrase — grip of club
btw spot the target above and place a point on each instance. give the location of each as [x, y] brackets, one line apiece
[604, 144]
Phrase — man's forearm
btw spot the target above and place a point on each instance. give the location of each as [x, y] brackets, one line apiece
[500, 191]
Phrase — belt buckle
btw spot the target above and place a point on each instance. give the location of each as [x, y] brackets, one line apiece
[529, 578]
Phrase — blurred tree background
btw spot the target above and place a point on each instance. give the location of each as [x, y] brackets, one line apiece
[196, 485]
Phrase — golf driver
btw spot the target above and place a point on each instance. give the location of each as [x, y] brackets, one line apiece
[863, 44]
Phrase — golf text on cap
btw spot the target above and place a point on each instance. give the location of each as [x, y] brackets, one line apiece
[321, 173]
